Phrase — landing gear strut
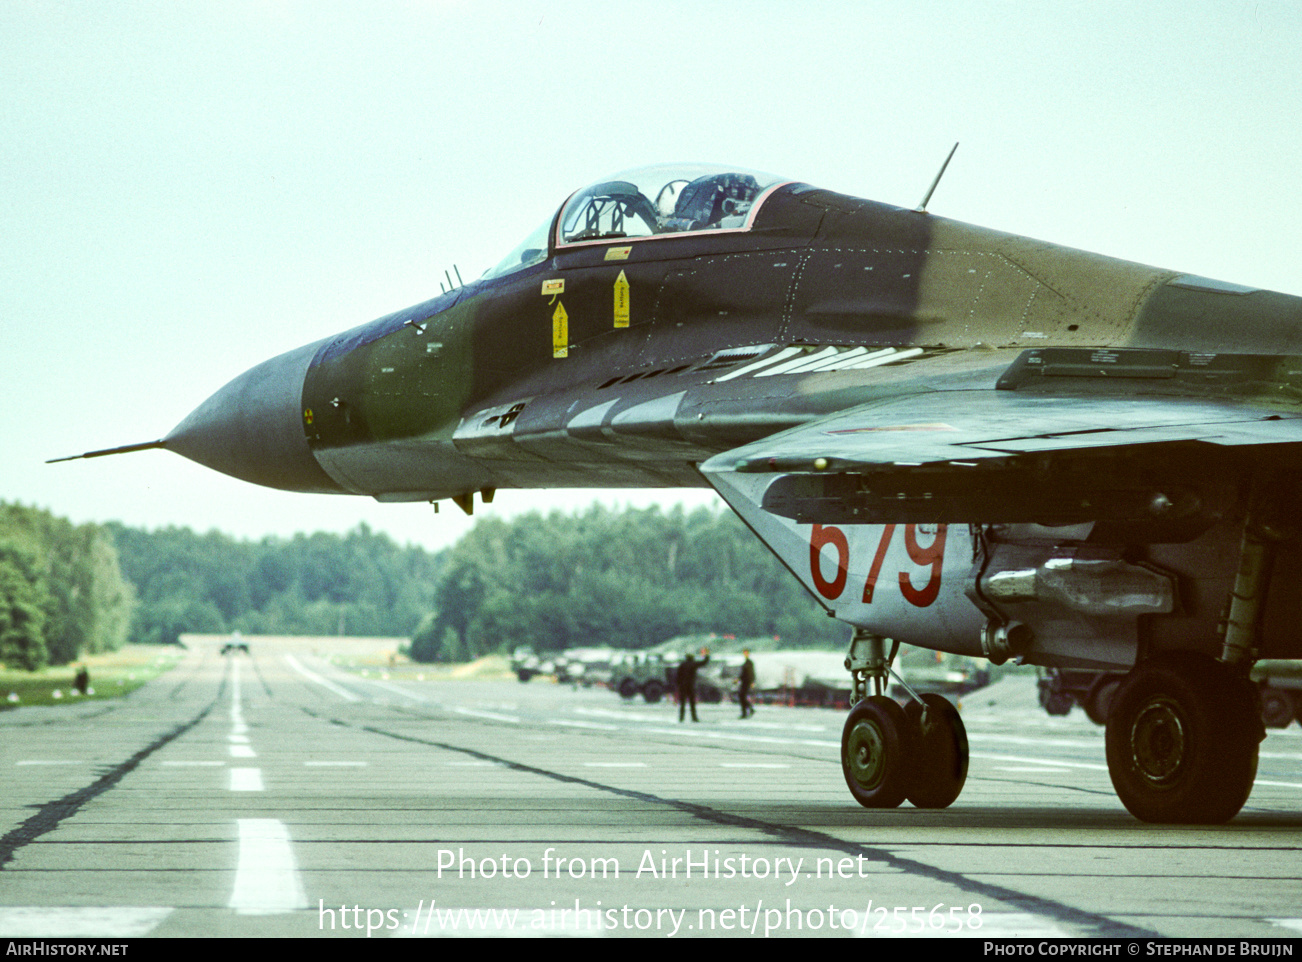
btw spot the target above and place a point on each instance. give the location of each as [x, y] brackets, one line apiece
[888, 753]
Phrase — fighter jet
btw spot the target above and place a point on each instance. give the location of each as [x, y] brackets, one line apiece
[956, 438]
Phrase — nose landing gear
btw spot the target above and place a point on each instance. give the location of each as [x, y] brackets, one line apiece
[890, 753]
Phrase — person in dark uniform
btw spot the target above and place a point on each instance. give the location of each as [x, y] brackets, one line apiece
[687, 682]
[745, 682]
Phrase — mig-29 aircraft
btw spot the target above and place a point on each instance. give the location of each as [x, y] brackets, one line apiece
[956, 438]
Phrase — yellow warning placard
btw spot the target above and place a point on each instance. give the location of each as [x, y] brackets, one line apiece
[621, 300]
[618, 253]
[553, 287]
[560, 332]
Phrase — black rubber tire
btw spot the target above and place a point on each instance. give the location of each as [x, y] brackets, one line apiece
[627, 688]
[1100, 698]
[876, 751]
[1182, 740]
[940, 753]
[1276, 708]
[1056, 703]
[653, 691]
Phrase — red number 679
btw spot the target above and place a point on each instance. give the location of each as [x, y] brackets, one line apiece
[933, 556]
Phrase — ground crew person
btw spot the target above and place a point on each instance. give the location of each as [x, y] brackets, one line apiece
[687, 682]
[745, 682]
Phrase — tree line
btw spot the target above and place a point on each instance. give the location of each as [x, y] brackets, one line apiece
[360, 583]
[62, 592]
[627, 578]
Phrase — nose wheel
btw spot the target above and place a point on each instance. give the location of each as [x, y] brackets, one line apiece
[890, 753]
[875, 747]
[939, 763]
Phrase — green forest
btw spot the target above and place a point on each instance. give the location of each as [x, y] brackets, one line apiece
[62, 592]
[628, 578]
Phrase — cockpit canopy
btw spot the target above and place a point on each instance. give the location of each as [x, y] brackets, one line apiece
[649, 202]
[666, 199]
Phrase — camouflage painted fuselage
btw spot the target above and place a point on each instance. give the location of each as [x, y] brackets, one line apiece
[613, 360]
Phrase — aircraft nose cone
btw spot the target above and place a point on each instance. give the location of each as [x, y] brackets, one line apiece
[252, 429]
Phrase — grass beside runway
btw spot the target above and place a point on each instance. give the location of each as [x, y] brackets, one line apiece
[112, 675]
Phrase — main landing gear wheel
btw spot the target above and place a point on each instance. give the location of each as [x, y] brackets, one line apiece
[875, 752]
[1182, 738]
[938, 767]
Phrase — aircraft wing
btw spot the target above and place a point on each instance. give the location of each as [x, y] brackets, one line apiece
[861, 499]
[962, 426]
[1001, 456]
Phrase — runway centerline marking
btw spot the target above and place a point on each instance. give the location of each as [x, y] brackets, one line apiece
[266, 878]
[246, 780]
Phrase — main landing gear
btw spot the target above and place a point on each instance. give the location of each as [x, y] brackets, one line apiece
[889, 753]
[1182, 739]
[1183, 730]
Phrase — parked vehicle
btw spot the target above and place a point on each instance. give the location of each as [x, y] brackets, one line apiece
[1280, 684]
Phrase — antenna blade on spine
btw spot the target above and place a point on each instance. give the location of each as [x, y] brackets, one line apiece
[922, 208]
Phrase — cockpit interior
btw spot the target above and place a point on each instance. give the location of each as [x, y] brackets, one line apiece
[648, 202]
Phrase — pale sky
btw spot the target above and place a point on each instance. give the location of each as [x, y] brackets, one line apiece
[187, 189]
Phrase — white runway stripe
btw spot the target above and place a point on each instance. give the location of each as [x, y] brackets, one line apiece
[246, 780]
[79, 922]
[314, 677]
[266, 880]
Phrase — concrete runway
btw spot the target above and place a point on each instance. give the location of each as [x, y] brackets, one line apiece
[273, 795]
